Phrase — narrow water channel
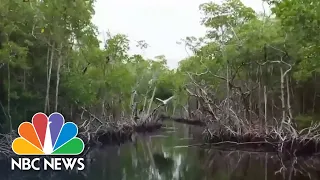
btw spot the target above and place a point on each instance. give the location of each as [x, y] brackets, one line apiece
[165, 156]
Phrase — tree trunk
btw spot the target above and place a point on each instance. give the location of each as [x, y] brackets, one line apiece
[9, 94]
[145, 102]
[151, 100]
[282, 98]
[272, 103]
[58, 79]
[315, 94]
[49, 62]
[259, 98]
[228, 94]
[103, 108]
[265, 108]
[288, 99]
[24, 89]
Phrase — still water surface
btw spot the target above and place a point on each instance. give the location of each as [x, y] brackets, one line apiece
[165, 156]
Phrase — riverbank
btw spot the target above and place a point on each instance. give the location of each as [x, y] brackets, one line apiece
[170, 150]
[118, 135]
[110, 134]
[288, 142]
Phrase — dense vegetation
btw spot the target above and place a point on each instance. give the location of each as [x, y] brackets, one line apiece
[257, 68]
[51, 61]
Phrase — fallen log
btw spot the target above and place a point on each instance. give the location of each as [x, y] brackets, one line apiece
[183, 120]
[290, 147]
[112, 136]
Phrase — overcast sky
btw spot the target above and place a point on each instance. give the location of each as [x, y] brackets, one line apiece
[161, 23]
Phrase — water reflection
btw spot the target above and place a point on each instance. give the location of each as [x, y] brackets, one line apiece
[156, 157]
[163, 164]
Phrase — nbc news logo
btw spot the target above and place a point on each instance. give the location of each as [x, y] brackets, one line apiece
[48, 136]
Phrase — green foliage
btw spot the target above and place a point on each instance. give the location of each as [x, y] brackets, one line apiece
[248, 49]
[304, 121]
[219, 17]
[301, 20]
[33, 32]
[106, 78]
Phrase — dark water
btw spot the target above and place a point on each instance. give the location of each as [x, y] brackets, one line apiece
[162, 156]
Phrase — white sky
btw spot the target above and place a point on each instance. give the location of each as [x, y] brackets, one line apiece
[161, 23]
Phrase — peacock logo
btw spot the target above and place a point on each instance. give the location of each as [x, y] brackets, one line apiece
[48, 136]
